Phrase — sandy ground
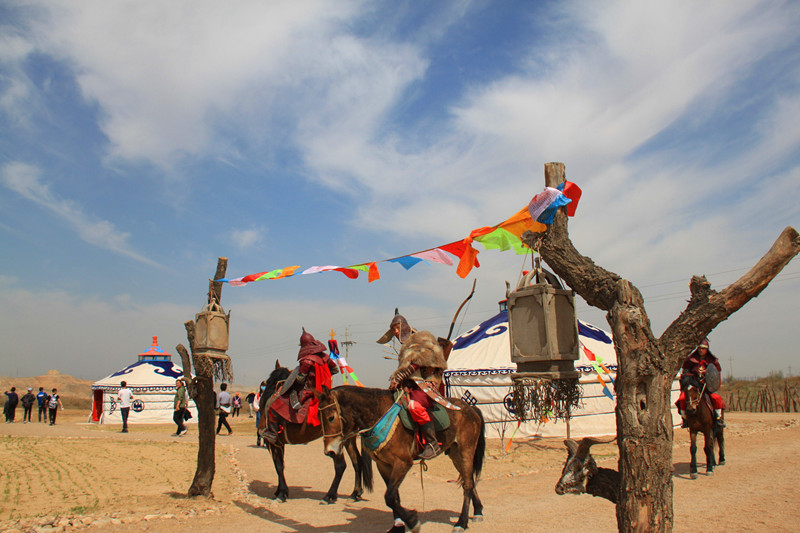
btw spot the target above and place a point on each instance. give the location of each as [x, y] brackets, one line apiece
[76, 476]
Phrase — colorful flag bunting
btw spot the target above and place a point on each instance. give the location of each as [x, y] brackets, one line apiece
[504, 236]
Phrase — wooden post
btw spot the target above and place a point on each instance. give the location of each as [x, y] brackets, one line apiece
[201, 389]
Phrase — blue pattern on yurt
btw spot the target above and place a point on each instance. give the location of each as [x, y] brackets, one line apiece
[164, 368]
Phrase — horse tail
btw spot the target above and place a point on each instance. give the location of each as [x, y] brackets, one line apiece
[480, 448]
[365, 464]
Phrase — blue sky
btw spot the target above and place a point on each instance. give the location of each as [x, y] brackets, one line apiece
[142, 140]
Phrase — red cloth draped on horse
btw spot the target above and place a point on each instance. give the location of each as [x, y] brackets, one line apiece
[297, 403]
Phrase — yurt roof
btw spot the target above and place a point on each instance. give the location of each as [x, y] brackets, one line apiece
[146, 372]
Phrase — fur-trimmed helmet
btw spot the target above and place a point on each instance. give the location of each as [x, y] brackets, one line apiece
[399, 328]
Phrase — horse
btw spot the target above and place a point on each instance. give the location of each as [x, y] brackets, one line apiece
[346, 411]
[302, 434]
[700, 419]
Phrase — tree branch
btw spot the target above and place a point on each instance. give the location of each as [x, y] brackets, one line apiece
[708, 308]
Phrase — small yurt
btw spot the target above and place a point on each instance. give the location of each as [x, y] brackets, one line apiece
[151, 380]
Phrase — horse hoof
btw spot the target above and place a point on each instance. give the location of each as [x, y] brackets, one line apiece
[329, 499]
[458, 529]
[693, 476]
[710, 473]
[356, 497]
[279, 497]
[477, 518]
[721, 463]
[417, 528]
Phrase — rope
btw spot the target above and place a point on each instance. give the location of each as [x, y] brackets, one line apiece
[423, 467]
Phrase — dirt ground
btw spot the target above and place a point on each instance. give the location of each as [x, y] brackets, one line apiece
[75, 476]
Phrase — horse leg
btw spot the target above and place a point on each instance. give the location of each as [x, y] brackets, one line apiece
[708, 448]
[282, 492]
[393, 476]
[463, 466]
[359, 467]
[720, 434]
[339, 466]
[693, 451]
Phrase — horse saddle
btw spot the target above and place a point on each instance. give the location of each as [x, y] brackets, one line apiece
[439, 416]
[282, 405]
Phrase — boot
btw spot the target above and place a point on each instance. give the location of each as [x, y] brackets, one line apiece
[271, 433]
[720, 418]
[432, 448]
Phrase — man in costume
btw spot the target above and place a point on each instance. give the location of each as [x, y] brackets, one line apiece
[421, 363]
[296, 402]
[694, 369]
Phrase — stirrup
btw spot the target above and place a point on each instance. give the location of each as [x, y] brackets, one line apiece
[430, 451]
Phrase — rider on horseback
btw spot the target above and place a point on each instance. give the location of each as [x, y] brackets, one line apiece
[296, 402]
[694, 368]
[421, 361]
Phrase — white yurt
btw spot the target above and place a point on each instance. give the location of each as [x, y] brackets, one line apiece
[151, 380]
[479, 372]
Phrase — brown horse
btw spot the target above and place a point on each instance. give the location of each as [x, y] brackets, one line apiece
[700, 419]
[346, 411]
[304, 433]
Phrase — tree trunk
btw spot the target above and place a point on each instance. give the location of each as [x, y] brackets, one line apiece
[201, 389]
[647, 366]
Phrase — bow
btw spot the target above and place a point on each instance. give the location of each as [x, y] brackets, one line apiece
[453, 323]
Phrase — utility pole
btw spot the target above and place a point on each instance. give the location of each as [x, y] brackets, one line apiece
[347, 343]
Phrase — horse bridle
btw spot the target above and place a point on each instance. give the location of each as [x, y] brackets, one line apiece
[339, 433]
[697, 401]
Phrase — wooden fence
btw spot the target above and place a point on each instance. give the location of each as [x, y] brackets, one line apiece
[764, 399]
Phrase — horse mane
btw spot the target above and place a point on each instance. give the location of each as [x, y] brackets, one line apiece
[363, 402]
[275, 377]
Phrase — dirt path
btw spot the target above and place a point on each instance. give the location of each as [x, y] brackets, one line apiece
[75, 476]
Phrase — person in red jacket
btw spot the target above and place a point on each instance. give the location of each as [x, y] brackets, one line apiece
[695, 368]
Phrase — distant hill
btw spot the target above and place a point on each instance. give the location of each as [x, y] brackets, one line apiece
[75, 392]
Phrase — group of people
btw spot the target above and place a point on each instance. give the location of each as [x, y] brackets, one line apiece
[422, 360]
[48, 405]
[227, 404]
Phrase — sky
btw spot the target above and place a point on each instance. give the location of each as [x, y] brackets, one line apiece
[142, 140]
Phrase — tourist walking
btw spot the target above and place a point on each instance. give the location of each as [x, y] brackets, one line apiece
[53, 404]
[237, 404]
[257, 401]
[27, 405]
[124, 396]
[181, 405]
[224, 406]
[250, 398]
[10, 410]
[42, 397]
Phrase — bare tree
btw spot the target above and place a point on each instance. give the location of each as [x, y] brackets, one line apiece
[648, 365]
[207, 364]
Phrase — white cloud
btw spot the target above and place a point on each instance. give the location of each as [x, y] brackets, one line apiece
[246, 238]
[25, 180]
[163, 73]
